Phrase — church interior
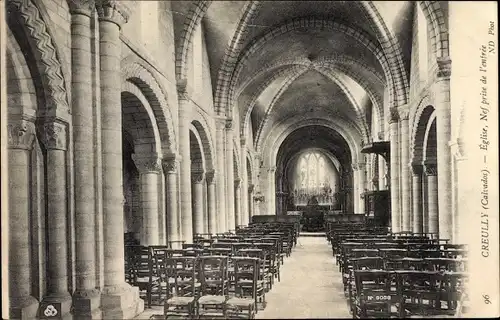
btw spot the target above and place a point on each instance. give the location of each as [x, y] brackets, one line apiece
[236, 159]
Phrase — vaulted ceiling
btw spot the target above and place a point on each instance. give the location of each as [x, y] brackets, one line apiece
[281, 60]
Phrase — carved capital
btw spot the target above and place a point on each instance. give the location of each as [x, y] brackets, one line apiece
[210, 176]
[171, 163]
[417, 169]
[243, 141]
[430, 169]
[354, 166]
[443, 67]
[271, 170]
[54, 136]
[229, 124]
[393, 115]
[84, 7]
[251, 187]
[147, 163]
[403, 112]
[197, 176]
[115, 11]
[21, 134]
[380, 135]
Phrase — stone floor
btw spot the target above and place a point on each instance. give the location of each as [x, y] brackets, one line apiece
[310, 287]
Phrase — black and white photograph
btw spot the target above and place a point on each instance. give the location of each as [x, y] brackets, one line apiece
[249, 159]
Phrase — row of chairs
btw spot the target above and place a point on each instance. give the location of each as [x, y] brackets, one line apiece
[224, 275]
[398, 275]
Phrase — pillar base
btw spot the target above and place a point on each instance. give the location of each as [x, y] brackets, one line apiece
[86, 304]
[121, 302]
[23, 308]
[64, 303]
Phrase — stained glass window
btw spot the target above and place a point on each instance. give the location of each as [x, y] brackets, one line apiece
[312, 172]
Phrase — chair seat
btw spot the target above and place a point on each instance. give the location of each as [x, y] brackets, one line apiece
[180, 300]
[240, 302]
[146, 279]
[212, 299]
[249, 282]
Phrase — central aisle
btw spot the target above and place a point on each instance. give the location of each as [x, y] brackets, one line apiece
[310, 287]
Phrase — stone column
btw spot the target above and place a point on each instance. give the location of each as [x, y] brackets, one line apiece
[272, 191]
[231, 222]
[186, 213]
[86, 298]
[361, 187]
[251, 203]
[441, 90]
[244, 183]
[355, 189]
[55, 141]
[119, 300]
[395, 160]
[170, 167]
[21, 134]
[237, 202]
[382, 171]
[432, 197]
[212, 213]
[405, 168]
[149, 170]
[220, 124]
[417, 171]
[197, 179]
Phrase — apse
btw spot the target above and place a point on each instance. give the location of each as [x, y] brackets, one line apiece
[313, 165]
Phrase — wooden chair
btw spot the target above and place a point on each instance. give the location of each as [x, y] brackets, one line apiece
[374, 297]
[214, 287]
[418, 292]
[248, 288]
[145, 276]
[183, 285]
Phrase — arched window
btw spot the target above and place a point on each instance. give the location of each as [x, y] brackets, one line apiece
[312, 173]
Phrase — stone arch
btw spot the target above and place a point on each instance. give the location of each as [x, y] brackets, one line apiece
[198, 161]
[429, 143]
[359, 112]
[231, 56]
[138, 74]
[293, 70]
[353, 140]
[193, 20]
[35, 39]
[436, 22]
[139, 121]
[21, 89]
[391, 48]
[299, 65]
[206, 141]
[419, 138]
[416, 115]
[225, 93]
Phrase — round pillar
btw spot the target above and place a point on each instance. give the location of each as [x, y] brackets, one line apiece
[212, 214]
[197, 179]
[149, 171]
[220, 125]
[231, 219]
[432, 198]
[21, 134]
[170, 167]
[395, 161]
[417, 171]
